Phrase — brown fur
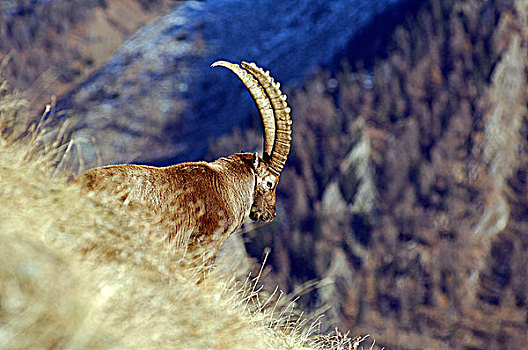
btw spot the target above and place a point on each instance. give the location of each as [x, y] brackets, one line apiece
[203, 202]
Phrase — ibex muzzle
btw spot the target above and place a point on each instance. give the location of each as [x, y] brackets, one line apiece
[209, 201]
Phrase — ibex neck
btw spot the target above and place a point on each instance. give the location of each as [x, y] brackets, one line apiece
[237, 171]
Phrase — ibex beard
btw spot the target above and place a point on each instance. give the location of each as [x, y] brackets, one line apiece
[203, 203]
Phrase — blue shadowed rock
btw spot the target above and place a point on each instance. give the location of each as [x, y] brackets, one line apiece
[157, 101]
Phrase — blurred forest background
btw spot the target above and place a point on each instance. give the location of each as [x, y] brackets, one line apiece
[406, 189]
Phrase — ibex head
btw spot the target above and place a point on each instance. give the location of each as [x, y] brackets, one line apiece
[264, 199]
[276, 126]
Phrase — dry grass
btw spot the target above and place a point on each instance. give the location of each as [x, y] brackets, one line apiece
[83, 272]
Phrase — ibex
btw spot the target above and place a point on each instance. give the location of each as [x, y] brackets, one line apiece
[208, 201]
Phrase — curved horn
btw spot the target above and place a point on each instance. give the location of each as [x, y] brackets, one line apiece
[281, 114]
[262, 103]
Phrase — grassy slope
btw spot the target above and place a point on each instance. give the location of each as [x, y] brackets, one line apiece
[81, 272]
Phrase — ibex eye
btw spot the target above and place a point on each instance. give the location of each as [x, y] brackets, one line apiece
[269, 184]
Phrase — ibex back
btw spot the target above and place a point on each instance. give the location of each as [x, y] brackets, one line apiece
[207, 201]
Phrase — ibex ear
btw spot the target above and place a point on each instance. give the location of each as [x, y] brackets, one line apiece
[256, 161]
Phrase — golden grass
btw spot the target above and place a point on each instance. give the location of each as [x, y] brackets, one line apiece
[79, 271]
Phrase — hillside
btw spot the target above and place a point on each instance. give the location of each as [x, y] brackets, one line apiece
[405, 192]
[47, 47]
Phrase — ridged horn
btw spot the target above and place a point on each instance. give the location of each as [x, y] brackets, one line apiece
[262, 102]
[281, 115]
